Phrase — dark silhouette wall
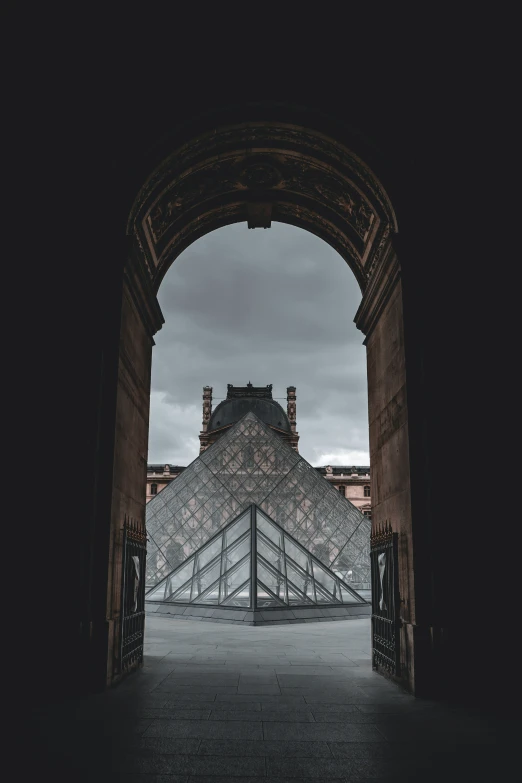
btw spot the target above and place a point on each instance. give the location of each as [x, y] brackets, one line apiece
[422, 167]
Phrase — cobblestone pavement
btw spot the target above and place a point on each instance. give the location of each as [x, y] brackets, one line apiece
[220, 702]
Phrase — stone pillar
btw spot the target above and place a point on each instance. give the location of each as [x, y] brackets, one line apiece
[291, 412]
[141, 318]
[207, 412]
[380, 318]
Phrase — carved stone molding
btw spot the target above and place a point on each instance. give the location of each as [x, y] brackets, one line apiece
[377, 250]
[379, 290]
[250, 136]
[299, 175]
[293, 177]
[143, 295]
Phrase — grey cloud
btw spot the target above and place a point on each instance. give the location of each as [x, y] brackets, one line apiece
[272, 306]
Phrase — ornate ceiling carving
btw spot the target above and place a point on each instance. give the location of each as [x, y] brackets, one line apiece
[311, 181]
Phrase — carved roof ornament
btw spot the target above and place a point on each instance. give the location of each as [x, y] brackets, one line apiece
[207, 407]
[249, 390]
[260, 174]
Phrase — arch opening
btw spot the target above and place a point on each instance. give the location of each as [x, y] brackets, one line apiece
[264, 306]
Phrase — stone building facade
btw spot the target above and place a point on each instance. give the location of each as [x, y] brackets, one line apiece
[159, 477]
[353, 482]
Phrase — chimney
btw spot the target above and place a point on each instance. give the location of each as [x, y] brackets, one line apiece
[291, 412]
[290, 408]
[207, 412]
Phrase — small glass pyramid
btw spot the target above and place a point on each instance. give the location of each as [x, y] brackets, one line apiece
[253, 563]
[248, 465]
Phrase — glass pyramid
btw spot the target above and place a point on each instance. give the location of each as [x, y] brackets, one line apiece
[248, 465]
[252, 563]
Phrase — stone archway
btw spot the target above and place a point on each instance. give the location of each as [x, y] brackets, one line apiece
[258, 172]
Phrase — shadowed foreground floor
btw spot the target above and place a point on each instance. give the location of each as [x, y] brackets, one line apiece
[218, 702]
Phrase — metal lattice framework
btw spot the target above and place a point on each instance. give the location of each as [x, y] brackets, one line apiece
[249, 465]
[252, 563]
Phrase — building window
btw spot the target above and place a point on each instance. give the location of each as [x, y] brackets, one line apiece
[367, 491]
[153, 489]
[367, 514]
[342, 490]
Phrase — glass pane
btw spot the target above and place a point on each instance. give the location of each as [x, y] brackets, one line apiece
[240, 598]
[264, 599]
[272, 579]
[161, 516]
[163, 569]
[324, 579]
[209, 553]
[210, 597]
[347, 597]
[302, 581]
[274, 556]
[340, 537]
[203, 579]
[295, 598]
[270, 530]
[322, 597]
[297, 554]
[236, 553]
[158, 593]
[238, 528]
[179, 577]
[183, 596]
[234, 579]
[361, 535]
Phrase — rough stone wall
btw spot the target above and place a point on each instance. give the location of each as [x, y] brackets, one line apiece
[130, 452]
[389, 451]
[130, 457]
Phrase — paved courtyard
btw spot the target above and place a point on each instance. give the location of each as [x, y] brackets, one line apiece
[220, 702]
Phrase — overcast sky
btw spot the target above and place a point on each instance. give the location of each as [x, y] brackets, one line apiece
[267, 306]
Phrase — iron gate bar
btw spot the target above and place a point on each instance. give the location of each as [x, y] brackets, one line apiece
[385, 600]
[132, 625]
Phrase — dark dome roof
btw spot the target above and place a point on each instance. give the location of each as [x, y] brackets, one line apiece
[230, 411]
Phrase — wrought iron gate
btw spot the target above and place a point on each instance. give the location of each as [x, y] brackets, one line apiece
[385, 599]
[134, 554]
